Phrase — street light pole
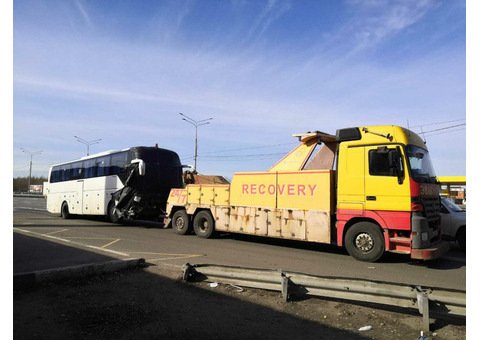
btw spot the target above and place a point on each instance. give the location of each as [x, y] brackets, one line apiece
[196, 124]
[83, 141]
[31, 160]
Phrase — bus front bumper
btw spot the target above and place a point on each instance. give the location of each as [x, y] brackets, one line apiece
[434, 252]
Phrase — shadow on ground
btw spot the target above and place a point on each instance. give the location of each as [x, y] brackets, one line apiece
[154, 303]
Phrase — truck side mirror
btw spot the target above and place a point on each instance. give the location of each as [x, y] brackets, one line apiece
[396, 164]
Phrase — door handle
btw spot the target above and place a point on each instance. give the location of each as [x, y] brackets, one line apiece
[371, 198]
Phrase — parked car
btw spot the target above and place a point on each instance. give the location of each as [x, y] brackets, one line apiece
[454, 221]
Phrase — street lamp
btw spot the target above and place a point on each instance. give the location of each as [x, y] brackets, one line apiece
[31, 158]
[196, 124]
[83, 141]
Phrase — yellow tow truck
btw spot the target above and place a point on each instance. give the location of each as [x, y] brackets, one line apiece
[369, 189]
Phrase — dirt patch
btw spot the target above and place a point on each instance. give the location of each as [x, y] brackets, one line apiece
[156, 303]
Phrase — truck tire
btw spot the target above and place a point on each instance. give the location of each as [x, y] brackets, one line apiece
[364, 241]
[112, 216]
[181, 222]
[64, 212]
[203, 224]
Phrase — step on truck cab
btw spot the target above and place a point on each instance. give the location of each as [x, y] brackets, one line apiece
[368, 189]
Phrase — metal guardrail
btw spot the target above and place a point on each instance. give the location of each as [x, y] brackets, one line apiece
[425, 299]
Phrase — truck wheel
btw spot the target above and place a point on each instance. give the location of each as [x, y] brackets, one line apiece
[203, 224]
[65, 213]
[181, 222]
[112, 216]
[364, 241]
[462, 239]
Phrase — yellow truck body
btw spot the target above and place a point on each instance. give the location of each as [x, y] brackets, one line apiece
[369, 198]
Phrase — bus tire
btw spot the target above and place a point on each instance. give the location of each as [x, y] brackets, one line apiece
[64, 212]
[203, 224]
[112, 216]
[365, 242]
[181, 222]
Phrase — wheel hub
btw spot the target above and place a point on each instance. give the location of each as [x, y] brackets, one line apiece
[179, 223]
[364, 242]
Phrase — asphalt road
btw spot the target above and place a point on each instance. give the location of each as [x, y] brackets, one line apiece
[90, 239]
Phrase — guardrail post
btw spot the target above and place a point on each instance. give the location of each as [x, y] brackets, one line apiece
[422, 299]
[285, 287]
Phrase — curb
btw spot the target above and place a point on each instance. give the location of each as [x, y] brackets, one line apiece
[32, 279]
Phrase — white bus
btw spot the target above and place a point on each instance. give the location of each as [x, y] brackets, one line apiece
[130, 183]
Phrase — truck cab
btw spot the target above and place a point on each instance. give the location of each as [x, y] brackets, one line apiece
[386, 182]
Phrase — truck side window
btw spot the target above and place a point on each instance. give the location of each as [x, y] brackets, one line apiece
[378, 164]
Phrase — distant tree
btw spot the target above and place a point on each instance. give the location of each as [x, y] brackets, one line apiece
[20, 184]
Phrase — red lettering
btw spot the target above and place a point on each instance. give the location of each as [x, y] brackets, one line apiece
[301, 189]
[245, 189]
[312, 189]
[281, 189]
[253, 189]
[271, 189]
[261, 186]
[291, 190]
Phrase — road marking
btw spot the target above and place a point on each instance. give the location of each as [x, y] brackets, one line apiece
[89, 238]
[167, 254]
[71, 242]
[174, 258]
[109, 244]
[54, 232]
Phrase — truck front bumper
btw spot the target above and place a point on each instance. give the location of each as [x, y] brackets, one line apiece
[434, 252]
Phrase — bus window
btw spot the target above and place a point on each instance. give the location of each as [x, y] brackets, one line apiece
[102, 163]
[118, 162]
[89, 168]
[65, 172]
[77, 171]
[55, 174]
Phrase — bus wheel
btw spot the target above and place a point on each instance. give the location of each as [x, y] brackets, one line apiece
[65, 212]
[203, 224]
[364, 241]
[112, 215]
[181, 222]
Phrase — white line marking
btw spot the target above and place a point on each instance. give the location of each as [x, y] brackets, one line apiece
[71, 242]
[57, 231]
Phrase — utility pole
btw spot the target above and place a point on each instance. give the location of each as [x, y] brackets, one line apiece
[83, 141]
[196, 124]
[31, 158]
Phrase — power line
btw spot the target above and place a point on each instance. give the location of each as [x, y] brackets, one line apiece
[444, 128]
[441, 133]
[252, 155]
[249, 148]
[450, 121]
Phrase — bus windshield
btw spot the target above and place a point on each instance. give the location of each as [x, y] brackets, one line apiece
[420, 165]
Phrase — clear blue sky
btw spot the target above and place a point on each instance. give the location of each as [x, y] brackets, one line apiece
[121, 71]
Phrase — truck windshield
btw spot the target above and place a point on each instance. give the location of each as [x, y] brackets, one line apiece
[420, 164]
